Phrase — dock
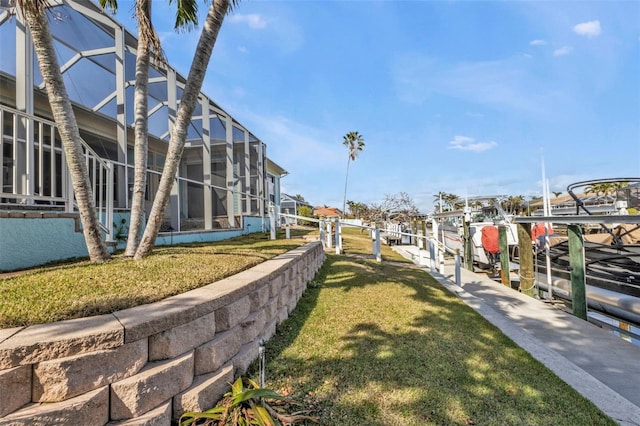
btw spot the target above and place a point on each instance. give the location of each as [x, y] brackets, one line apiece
[599, 365]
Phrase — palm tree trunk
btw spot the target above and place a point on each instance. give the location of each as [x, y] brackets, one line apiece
[67, 127]
[346, 179]
[212, 24]
[141, 145]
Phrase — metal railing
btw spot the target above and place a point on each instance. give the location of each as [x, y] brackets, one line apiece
[36, 171]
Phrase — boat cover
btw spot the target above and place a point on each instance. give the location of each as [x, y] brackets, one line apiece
[490, 239]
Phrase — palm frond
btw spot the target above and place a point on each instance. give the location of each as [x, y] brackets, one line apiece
[111, 5]
[232, 6]
[186, 15]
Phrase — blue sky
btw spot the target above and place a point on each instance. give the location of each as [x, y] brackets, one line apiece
[463, 97]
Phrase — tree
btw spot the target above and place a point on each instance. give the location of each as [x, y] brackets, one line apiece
[148, 47]
[215, 16]
[513, 204]
[438, 201]
[397, 208]
[355, 143]
[450, 201]
[305, 211]
[34, 13]
[356, 209]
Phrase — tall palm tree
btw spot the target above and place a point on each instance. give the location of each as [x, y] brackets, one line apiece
[146, 38]
[215, 16]
[34, 13]
[148, 48]
[355, 143]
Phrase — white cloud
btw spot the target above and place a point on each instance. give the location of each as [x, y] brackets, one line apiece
[537, 42]
[465, 143]
[508, 84]
[254, 20]
[565, 50]
[242, 49]
[588, 29]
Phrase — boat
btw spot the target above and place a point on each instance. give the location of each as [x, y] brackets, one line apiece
[611, 248]
[484, 217]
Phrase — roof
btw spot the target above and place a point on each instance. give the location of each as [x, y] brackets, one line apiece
[275, 169]
[292, 199]
[327, 211]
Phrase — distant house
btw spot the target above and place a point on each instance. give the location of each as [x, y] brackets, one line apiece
[328, 212]
[596, 203]
[291, 205]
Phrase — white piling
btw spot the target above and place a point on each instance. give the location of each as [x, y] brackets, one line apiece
[432, 256]
[272, 221]
[458, 280]
[322, 236]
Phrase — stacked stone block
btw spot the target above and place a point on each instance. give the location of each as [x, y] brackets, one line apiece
[149, 364]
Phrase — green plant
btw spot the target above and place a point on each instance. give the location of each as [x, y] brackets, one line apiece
[120, 232]
[240, 406]
[244, 406]
[306, 211]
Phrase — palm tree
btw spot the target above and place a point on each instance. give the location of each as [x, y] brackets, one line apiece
[208, 36]
[146, 36]
[147, 42]
[148, 45]
[439, 200]
[452, 201]
[34, 13]
[355, 143]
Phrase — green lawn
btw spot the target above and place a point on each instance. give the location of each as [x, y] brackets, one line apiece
[382, 344]
[78, 289]
[368, 344]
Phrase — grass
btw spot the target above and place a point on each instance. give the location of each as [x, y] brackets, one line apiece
[79, 289]
[384, 344]
[369, 344]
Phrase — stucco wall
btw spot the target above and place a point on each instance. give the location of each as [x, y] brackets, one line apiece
[29, 239]
[149, 364]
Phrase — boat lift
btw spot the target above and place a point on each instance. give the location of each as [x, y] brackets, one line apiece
[582, 296]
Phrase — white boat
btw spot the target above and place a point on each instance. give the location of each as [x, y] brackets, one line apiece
[483, 230]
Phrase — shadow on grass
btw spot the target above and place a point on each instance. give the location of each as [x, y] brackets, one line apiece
[359, 354]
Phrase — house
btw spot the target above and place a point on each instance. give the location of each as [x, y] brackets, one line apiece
[328, 212]
[291, 204]
[226, 184]
[600, 203]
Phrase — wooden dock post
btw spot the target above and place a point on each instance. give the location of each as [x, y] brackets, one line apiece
[525, 254]
[576, 261]
[504, 256]
[466, 240]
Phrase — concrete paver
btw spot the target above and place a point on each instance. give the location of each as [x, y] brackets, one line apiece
[599, 365]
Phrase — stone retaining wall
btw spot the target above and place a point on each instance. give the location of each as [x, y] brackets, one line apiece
[149, 364]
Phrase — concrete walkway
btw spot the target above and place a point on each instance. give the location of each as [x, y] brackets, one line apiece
[600, 366]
